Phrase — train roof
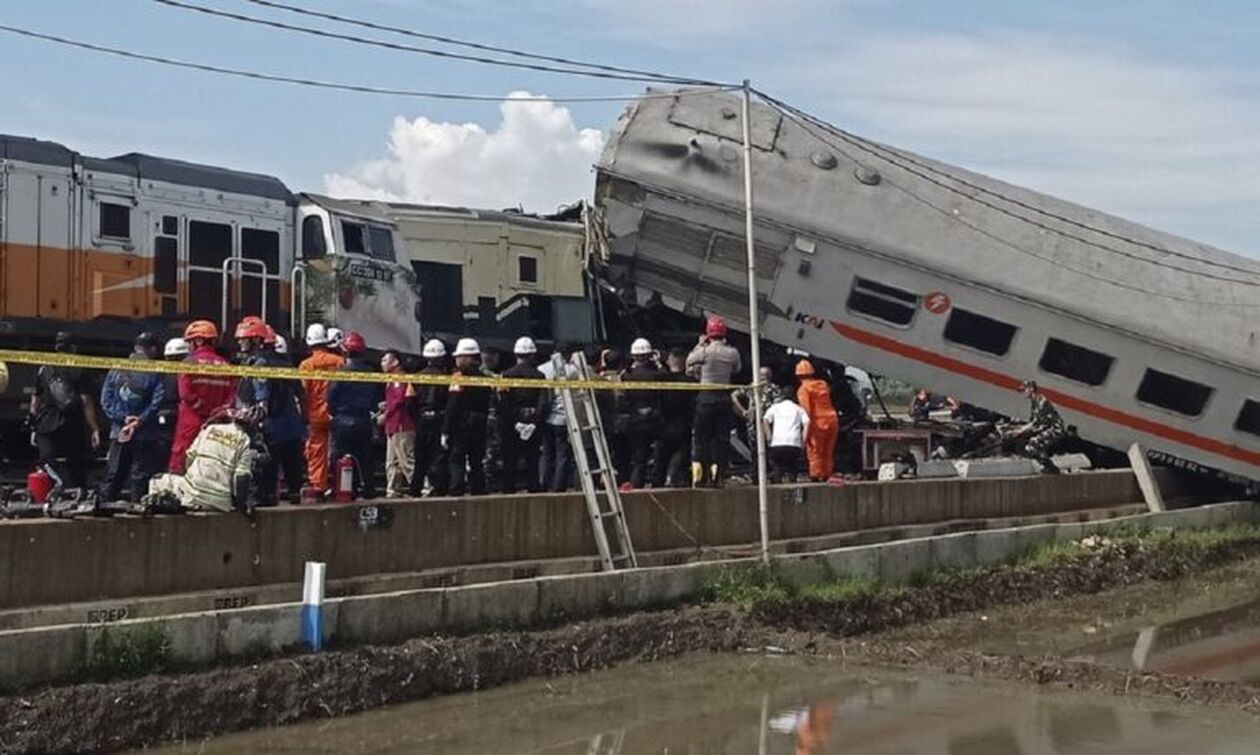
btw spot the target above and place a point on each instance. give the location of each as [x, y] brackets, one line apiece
[148, 168]
[395, 211]
[892, 203]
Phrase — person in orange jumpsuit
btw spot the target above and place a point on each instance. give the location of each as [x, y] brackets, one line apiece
[200, 396]
[814, 396]
[323, 358]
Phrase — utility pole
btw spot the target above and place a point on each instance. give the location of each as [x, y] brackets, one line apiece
[754, 330]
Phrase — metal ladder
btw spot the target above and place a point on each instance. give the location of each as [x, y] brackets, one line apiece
[608, 519]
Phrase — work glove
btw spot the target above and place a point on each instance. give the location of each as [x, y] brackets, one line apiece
[525, 430]
[445, 440]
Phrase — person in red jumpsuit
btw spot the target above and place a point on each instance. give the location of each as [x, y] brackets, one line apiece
[814, 396]
[199, 395]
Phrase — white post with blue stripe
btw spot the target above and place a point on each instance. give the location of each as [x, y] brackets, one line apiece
[313, 606]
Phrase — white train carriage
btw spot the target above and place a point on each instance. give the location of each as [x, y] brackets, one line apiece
[940, 277]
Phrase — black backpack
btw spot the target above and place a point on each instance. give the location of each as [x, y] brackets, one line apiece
[63, 394]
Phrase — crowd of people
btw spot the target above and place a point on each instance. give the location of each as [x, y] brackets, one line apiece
[440, 438]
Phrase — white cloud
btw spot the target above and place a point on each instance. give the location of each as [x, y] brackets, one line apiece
[1170, 146]
[536, 157]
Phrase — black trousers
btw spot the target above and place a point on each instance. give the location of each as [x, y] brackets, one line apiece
[353, 437]
[431, 458]
[673, 452]
[287, 458]
[133, 462]
[714, 418]
[467, 448]
[64, 450]
[785, 463]
[643, 437]
[516, 452]
[557, 458]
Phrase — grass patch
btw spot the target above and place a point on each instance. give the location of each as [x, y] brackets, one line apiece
[747, 586]
[116, 653]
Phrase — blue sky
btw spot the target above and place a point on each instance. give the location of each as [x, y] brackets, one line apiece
[1148, 110]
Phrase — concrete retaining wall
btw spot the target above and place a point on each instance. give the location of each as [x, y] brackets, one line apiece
[52, 562]
[34, 656]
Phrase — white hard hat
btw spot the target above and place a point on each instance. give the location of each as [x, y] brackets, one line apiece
[316, 334]
[434, 349]
[335, 337]
[176, 347]
[467, 347]
[525, 345]
[282, 344]
[641, 347]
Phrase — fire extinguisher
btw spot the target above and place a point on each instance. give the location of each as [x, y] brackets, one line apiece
[343, 489]
[40, 484]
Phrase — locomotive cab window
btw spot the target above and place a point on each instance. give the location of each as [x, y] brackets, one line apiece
[1173, 393]
[1249, 418]
[892, 305]
[354, 237]
[313, 243]
[381, 243]
[115, 221]
[1076, 362]
[979, 332]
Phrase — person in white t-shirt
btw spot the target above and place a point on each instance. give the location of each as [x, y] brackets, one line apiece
[787, 424]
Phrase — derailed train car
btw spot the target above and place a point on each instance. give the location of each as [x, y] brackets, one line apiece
[871, 255]
[105, 248]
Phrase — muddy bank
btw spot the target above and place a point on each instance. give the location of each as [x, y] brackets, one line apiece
[193, 706]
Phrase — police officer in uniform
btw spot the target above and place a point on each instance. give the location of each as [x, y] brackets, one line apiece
[465, 425]
[521, 414]
[714, 362]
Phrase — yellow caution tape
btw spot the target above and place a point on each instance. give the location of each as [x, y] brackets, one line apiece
[59, 359]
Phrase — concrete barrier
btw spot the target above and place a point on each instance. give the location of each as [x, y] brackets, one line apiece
[50, 562]
[50, 654]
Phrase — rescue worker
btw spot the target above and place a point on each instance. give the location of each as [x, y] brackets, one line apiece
[464, 426]
[131, 401]
[63, 417]
[398, 422]
[714, 362]
[814, 396]
[614, 414]
[645, 409]
[1045, 428]
[323, 358]
[669, 467]
[923, 404]
[556, 466]
[274, 406]
[491, 366]
[351, 405]
[175, 350]
[200, 396]
[521, 414]
[336, 340]
[430, 407]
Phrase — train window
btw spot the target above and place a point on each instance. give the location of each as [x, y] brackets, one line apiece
[1173, 393]
[1249, 418]
[115, 221]
[165, 264]
[209, 243]
[882, 302]
[382, 242]
[170, 225]
[1076, 362]
[313, 244]
[353, 233]
[263, 246]
[979, 332]
[527, 269]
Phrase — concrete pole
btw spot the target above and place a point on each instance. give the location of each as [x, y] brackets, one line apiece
[754, 330]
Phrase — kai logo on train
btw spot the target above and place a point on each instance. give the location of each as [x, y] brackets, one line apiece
[937, 303]
[814, 321]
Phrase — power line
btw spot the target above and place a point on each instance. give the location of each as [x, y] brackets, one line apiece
[900, 159]
[472, 45]
[809, 126]
[419, 50]
[339, 86]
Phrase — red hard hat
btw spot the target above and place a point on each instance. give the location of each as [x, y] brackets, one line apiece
[270, 338]
[715, 327]
[354, 343]
[252, 327]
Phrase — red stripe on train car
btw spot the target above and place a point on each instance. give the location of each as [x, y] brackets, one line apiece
[1065, 400]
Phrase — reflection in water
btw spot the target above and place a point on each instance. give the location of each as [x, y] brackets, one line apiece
[737, 705]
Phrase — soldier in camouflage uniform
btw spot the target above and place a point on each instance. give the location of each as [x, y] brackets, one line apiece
[1045, 428]
[743, 399]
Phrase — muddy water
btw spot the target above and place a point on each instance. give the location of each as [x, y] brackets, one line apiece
[751, 704]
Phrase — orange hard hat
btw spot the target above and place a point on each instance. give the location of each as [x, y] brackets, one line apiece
[201, 330]
[715, 327]
[252, 327]
[804, 368]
